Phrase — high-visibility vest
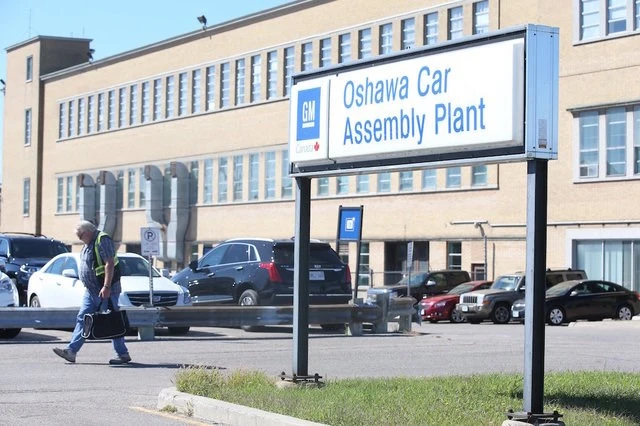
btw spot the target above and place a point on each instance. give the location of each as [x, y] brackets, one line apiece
[99, 264]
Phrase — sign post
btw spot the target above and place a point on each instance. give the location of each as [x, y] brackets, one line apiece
[150, 246]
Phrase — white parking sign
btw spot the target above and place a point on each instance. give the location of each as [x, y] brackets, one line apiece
[150, 241]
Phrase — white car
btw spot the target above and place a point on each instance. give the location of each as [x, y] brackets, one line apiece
[8, 298]
[56, 285]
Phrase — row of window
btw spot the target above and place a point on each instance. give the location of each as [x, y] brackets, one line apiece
[602, 18]
[609, 143]
[210, 88]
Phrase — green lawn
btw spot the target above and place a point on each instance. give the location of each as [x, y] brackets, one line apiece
[584, 398]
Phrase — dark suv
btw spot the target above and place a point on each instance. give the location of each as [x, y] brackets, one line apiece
[424, 284]
[255, 271]
[24, 254]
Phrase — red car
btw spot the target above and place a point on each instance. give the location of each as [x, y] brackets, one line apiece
[442, 307]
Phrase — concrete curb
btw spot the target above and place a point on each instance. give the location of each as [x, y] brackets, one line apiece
[222, 412]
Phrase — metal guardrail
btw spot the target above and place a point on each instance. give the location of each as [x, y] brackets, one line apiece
[216, 316]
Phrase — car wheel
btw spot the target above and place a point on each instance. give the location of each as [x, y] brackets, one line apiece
[249, 298]
[556, 316]
[501, 314]
[456, 316]
[9, 333]
[178, 331]
[34, 302]
[624, 312]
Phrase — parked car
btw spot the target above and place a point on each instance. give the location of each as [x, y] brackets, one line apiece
[586, 299]
[495, 302]
[443, 307]
[259, 271]
[425, 284]
[24, 254]
[9, 298]
[57, 285]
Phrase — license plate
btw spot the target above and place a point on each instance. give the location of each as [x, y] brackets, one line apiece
[316, 275]
[516, 314]
[464, 308]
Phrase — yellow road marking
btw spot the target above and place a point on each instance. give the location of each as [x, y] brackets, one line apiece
[183, 419]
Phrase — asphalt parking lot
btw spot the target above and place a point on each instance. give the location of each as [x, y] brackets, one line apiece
[40, 388]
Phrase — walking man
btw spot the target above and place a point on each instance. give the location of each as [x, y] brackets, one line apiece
[100, 273]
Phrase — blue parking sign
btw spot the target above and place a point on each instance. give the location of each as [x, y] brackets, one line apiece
[350, 224]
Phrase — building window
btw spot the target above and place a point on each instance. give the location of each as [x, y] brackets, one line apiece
[182, 94]
[169, 96]
[77, 188]
[342, 185]
[26, 196]
[222, 180]
[211, 88]
[384, 182]
[157, 99]
[256, 78]
[479, 175]
[112, 109]
[481, 17]
[616, 16]
[323, 186]
[133, 104]
[454, 255]
[406, 181]
[90, 113]
[616, 142]
[455, 23]
[193, 182]
[386, 38]
[71, 124]
[122, 106]
[238, 174]
[68, 199]
[637, 13]
[100, 112]
[225, 77]
[145, 102]
[431, 28]
[120, 189]
[270, 175]
[588, 162]
[254, 176]
[27, 127]
[59, 194]
[81, 117]
[289, 68]
[364, 43]
[454, 177]
[62, 121]
[287, 182]
[325, 52]
[207, 185]
[611, 260]
[29, 71]
[142, 192]
[307, 57]
[131, 188]
[344, 40]
[429, 182]
[362, 184]
[240, 76]
[408, 27]
[589, 19]
[195, 91]
[272, 74]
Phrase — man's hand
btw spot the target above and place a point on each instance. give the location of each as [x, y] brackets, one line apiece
[105, 292]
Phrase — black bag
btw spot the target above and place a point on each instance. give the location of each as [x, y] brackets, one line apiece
[109, 324]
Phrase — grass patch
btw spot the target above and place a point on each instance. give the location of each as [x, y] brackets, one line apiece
[584, 398]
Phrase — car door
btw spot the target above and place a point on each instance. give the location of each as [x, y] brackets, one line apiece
[580, 302]
[604, 299]
[48, 284]
[72, 289]
[216, 274]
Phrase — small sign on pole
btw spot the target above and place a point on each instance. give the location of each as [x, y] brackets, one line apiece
[150, 246]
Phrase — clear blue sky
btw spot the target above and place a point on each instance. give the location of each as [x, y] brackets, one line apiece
[114, 25]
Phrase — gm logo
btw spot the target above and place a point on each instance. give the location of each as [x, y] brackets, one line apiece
[308, 126]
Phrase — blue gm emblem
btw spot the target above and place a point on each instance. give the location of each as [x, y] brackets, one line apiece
[308, 126]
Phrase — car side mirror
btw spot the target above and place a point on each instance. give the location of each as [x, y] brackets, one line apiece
[523, 288]
[165, 272]
[573, 293]
[193, 265]
[431, 283]
[69, 273]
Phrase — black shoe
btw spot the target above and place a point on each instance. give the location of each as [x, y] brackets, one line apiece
[120, 359]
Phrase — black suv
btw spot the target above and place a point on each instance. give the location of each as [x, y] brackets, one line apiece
[255, 271]
[24, 254]
[424, 284]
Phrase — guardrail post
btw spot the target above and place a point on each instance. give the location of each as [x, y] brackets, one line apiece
[382, 325]
[146, 333]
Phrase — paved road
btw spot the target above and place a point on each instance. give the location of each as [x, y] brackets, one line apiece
[37, 387]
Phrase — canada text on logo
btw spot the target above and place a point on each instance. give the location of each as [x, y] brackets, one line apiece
[308, 126]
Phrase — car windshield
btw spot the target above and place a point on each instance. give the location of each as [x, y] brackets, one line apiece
[37, 247]
[135, 267]
[560, 289]
[506, 282]
[413, 279]
[318, 254]
[461, 288]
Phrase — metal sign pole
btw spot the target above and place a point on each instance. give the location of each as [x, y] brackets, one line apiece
[150, 282]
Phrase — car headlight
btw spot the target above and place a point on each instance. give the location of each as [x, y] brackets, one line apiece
[7, 286]
[440, 304]
[186, 297]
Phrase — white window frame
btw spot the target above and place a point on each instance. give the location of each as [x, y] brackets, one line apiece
[183, 93]
[594, 18]
[81, 117]
[306, 56]
[364, 43]
[386, 38]
[225, 84]
[272, 74]
[429, 180]
[408, 31]
[238, 177]
[223, 166]
[454, 177]
[28, 119]
[405, 181]
[211, 88]
[91, 106]
[111, 109]
[344, 41]
[29, 68]
[207, 185]
[254, 176]
[270, 175]
[71, 125]
[256, 78]
[430, 28]
[122, 106]
[131, 188]
[479, 175]
[286, 182]
[325, 52]
[323, 186]
[169, 96]
[383, 182]
[362, 184]
[146, 102]
[62, 121]
[196, 82]
[133, 104]
[157, 99]
[455, 23]
[240, 81]
[26, 196]
[289, 68]
[481, 17]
